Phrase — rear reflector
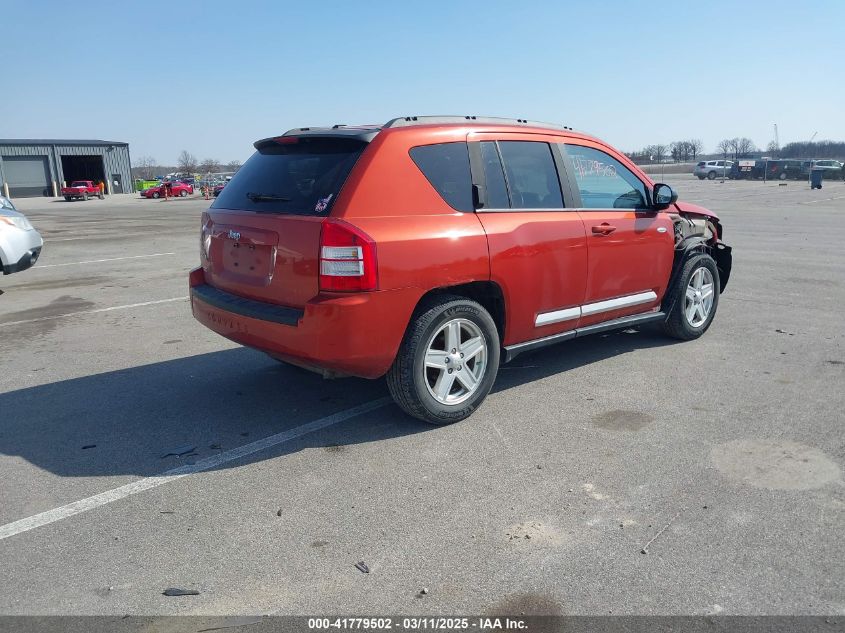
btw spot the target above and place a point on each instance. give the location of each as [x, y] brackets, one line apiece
[347, 258]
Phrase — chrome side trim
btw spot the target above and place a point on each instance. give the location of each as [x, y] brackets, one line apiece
[567, 314]
[619, 302]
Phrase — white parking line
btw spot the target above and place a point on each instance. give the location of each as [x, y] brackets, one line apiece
[822, 200]
[97, 261]
[70, 314]
[83, 505]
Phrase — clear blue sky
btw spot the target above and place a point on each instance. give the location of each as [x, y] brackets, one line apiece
[212, 77]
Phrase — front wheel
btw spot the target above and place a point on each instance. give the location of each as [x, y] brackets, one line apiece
[447, 362]
[156, 194]
[695, 297]
[183, 193]
[711, 175]
[782, 175]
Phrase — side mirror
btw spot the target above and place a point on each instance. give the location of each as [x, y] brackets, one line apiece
[663, 196]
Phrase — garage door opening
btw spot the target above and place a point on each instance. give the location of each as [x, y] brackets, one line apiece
[83, 168]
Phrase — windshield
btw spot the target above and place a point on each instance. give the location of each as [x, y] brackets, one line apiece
[302, 176]
[79, 183]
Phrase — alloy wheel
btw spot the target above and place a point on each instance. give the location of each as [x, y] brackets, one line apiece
[698, 301]
[455, 361]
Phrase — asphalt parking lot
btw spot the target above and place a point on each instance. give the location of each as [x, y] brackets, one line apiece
[722, 458]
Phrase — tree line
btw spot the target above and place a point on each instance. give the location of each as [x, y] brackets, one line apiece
[817, 149]
[736, 148]
[148, 168]
[678, 151]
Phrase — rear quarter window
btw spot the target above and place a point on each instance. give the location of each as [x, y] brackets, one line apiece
[299, 177]
[446, 167]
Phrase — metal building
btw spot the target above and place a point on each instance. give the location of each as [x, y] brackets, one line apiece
[30, 167]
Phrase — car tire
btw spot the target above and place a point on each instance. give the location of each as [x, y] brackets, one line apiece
[692, 314]
[183, 194]
[782, 175]
[67, 198]
[701, 177]
[439, 395]
[711, 175]
[156, 195]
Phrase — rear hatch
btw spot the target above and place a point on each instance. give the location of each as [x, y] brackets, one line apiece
[262, 234]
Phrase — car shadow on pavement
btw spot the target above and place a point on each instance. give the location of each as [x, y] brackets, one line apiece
[560, 358]
[126, 422]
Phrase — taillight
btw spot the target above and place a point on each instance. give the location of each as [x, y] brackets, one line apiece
[347, 258]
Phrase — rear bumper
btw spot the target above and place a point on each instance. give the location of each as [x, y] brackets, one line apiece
[356, 334]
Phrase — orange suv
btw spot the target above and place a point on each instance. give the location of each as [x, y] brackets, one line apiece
[430, 249]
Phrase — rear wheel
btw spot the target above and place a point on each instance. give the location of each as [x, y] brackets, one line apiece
[156, 194]
[701, 177]
[183, 193]
[447, 362]
[782, 175]
[67, 198]
[711, 175]
[696, 297]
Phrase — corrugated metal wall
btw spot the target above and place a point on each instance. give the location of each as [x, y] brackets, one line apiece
[115, 160]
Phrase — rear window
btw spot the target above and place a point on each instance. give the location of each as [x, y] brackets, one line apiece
[302, 177]
[446, 167]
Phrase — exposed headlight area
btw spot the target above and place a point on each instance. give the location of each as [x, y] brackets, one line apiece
[18, 221]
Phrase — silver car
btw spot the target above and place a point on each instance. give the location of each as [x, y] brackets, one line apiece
[20, 243]
[711, 168]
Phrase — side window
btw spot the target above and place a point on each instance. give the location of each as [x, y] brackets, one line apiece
[603, 181]
[531, 175]
[497, 190]
[446, 167]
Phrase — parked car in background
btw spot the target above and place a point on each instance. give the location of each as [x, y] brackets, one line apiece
[781, 169]
[218, 189]
[710, 169]
[429, 249]
[20, 243]
[174, 188]
[742, 169]
[832, 168]
[82, 190]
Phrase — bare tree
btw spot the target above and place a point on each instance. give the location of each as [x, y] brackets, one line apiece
[696, 147]
[210, 166]
[773, 149]
[233, 165]
[725, 146]
[187, 162]
[744, 146]
[660, 151]
[146, 167]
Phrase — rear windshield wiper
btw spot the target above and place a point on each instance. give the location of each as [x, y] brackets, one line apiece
[266, 197]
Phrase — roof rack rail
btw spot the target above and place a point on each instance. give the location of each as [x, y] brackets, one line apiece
[433, 120]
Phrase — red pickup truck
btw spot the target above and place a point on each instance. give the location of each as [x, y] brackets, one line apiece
[81, 190]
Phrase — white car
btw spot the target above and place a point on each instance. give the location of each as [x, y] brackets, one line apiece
[711, 168]
[20, 243]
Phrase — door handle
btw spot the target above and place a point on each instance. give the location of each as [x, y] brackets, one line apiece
[603, 229]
